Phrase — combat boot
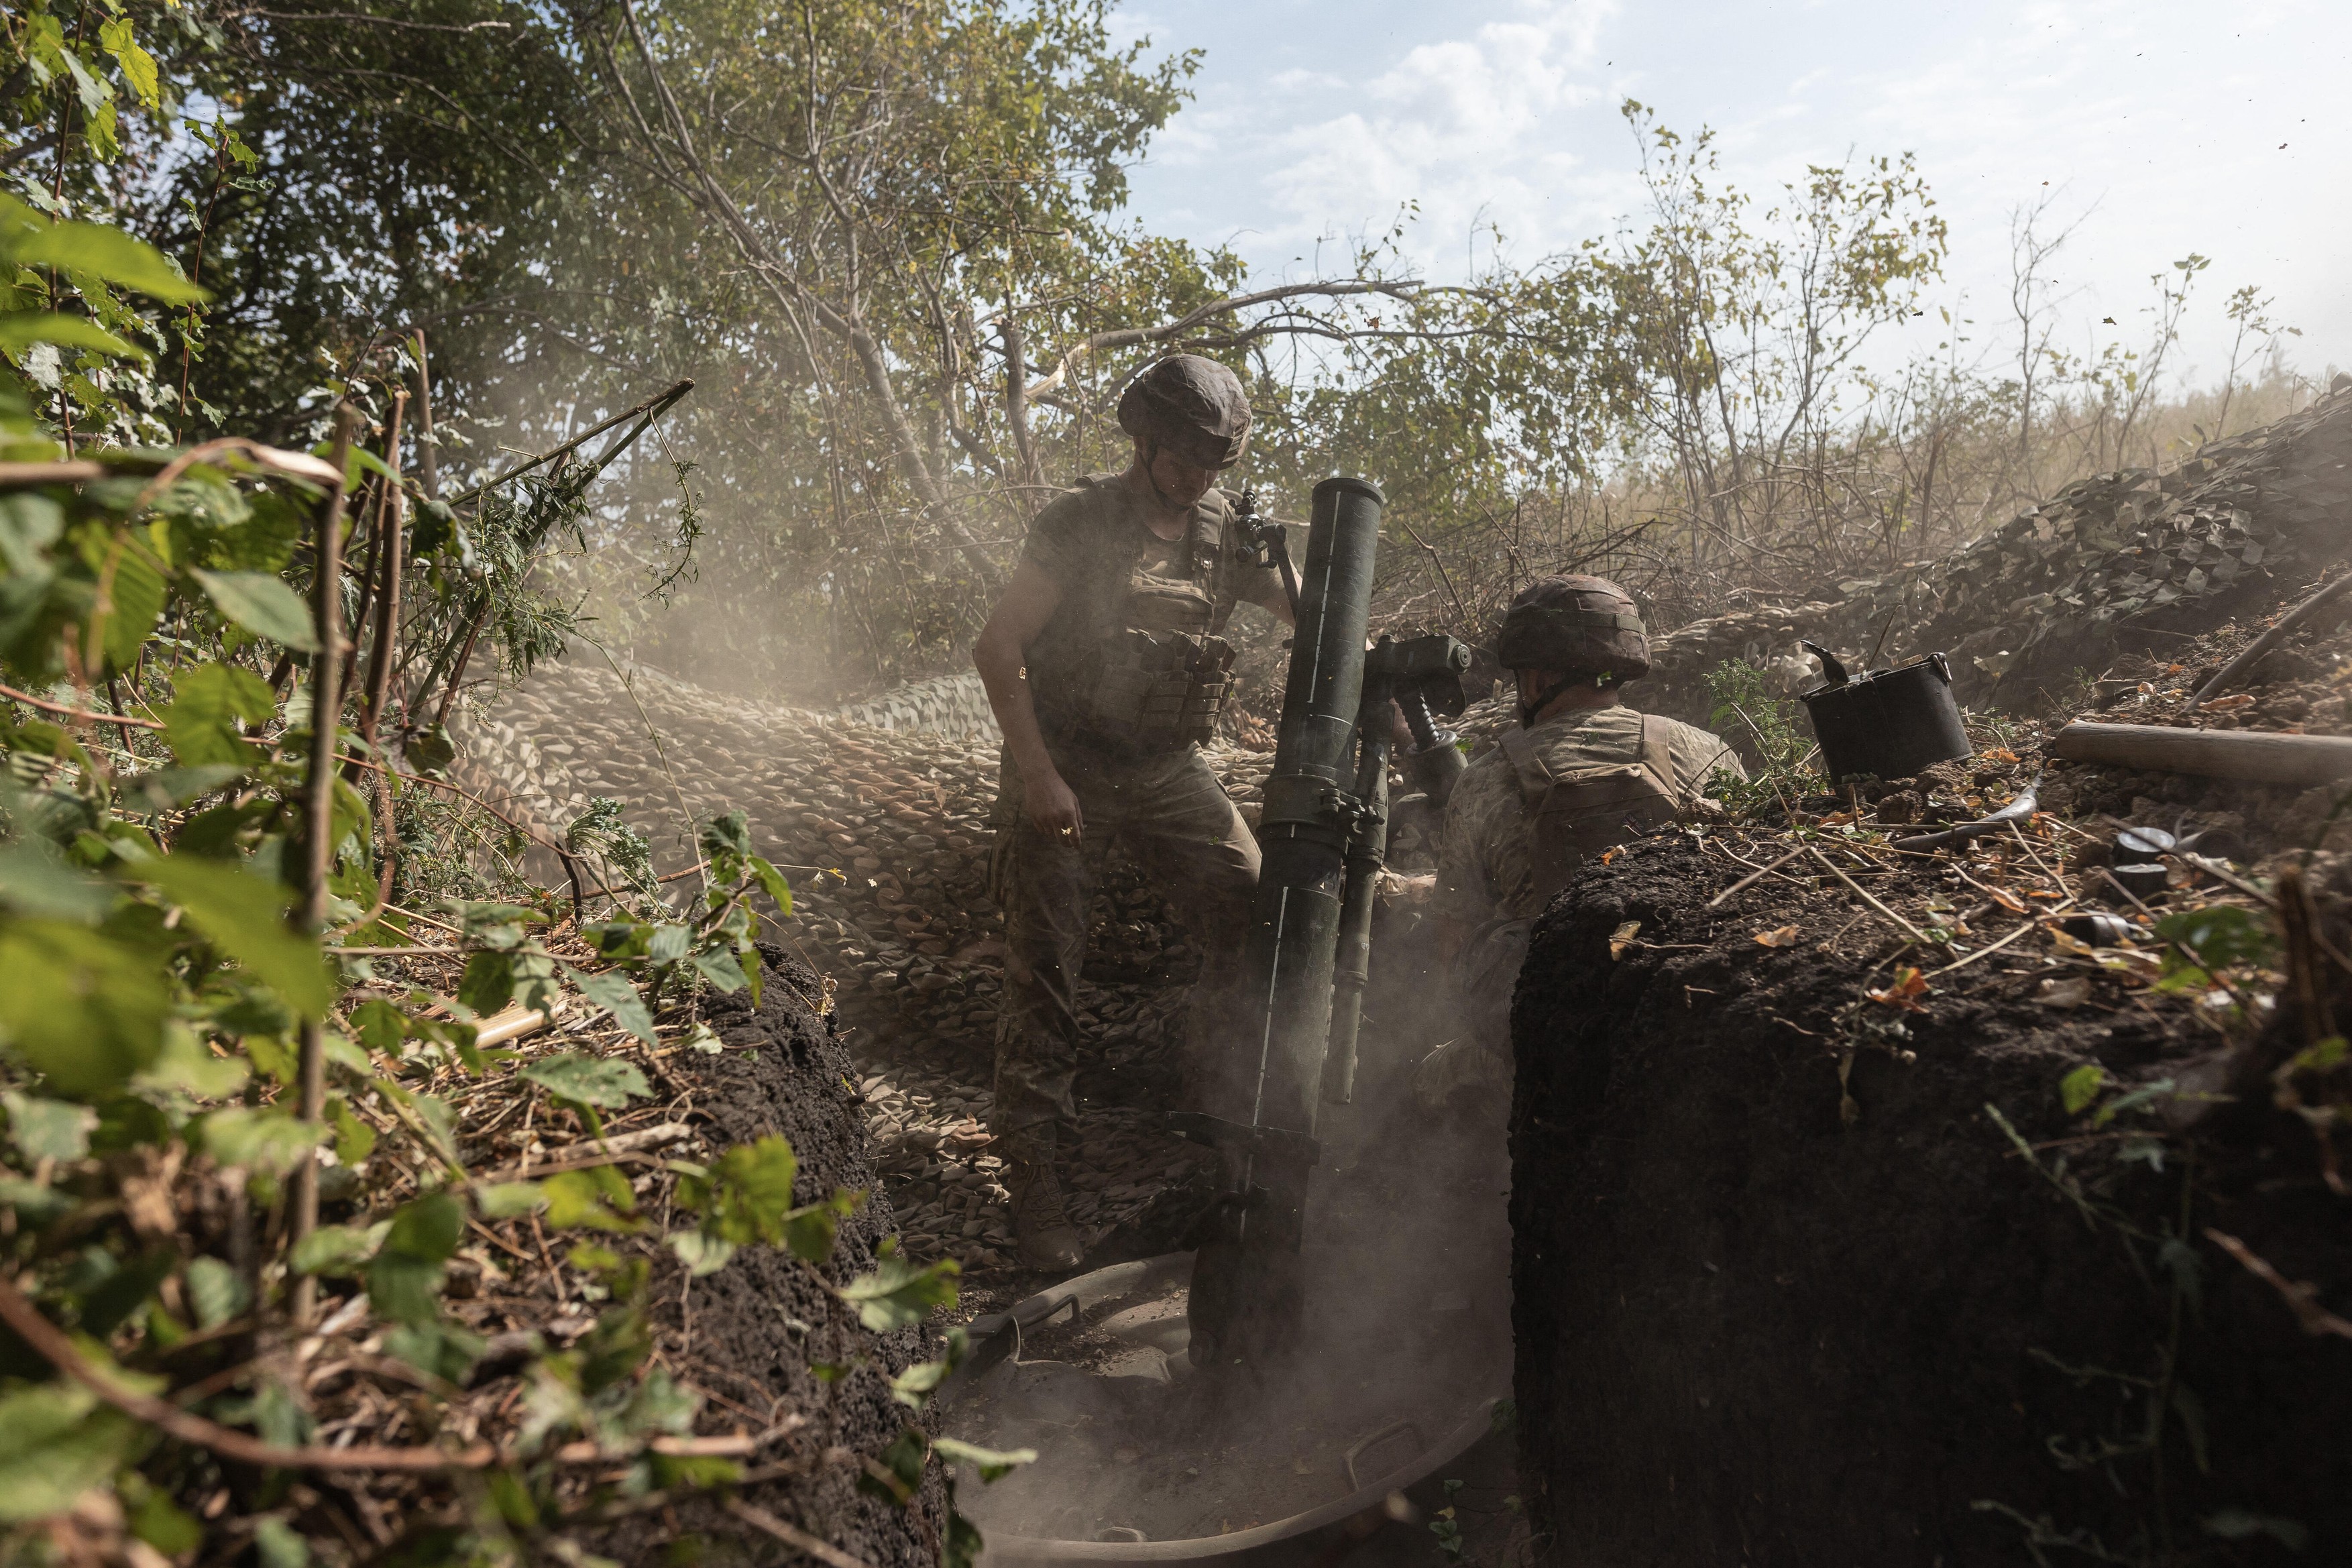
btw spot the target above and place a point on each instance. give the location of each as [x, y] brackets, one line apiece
[1043, 1233]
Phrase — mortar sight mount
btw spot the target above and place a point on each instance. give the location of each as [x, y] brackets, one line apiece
[1291, 1043]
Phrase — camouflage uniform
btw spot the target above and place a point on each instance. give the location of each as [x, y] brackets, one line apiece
[1488, 892]
[1164, 804]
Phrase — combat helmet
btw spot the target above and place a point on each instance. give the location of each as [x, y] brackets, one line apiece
[1584, 628]
[1193, 406]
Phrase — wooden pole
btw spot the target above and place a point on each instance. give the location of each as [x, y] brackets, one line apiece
[319, 817]
[2254, 756]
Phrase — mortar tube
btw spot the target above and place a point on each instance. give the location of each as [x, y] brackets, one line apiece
[1248, 1288]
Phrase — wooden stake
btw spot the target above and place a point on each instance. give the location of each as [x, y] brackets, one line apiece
[318, 820]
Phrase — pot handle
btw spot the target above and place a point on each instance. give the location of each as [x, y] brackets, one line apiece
[1943, 667]
[1831, 671]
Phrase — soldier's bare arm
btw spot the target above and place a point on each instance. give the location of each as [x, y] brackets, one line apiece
[1000, 655]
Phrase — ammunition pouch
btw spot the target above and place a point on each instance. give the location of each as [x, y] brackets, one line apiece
[1155, 692]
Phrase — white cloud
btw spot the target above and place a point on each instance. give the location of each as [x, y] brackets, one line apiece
[1468, 127]
[2164, 117]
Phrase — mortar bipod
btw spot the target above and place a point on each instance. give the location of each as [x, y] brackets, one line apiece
[1417, 675]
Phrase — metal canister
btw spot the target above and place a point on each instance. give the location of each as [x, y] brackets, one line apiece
[1890, 725]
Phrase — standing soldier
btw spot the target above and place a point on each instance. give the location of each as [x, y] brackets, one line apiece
[1582, 772]
[1104, 664]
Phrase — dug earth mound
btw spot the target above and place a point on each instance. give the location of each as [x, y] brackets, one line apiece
[1818, 1264]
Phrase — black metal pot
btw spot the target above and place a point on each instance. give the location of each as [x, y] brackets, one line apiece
[1890, 725]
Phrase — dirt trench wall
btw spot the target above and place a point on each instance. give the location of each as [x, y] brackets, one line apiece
[749, 1333]
[1748, 1333]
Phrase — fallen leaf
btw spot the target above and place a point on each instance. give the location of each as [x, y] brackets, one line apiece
[1608, 854]
[2006, 899]
[2001, 754]
[1837, 820]
[1908, 988]
[1622, 938]
[2071, 992]
[1785, 937]
[2069, 945]
[2038, 893]
[2230, 704]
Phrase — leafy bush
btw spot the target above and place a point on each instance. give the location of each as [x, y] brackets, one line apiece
[193, 847]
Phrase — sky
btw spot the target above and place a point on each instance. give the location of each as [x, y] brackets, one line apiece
[2155, 128]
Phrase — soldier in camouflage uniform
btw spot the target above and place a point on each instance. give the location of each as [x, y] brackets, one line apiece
[1105, 667]
[1582, 772]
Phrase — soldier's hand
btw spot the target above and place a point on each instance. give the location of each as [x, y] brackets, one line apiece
[1054, 809]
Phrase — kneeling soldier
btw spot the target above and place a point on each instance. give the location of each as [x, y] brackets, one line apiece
[1582, 772]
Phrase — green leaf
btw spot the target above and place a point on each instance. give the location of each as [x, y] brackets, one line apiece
[489, 982]
[702, 1254]
[35, 1205]
[260, 1139]
[614, 1349]
[106, 253]
[750, 1192]
[207, 704]
[56, 1443]
[86, 1011]
[727, 835]
[34, 881]
[186, 1067]
[2221, 935]
[602, 1081]
[354, 1139]
[117, 38]
[900, 1472]
[616, 995]
[915, 1386]
[991, 1462]
[160, 1522]
[341, 1251]
[20, 330]
[719, 967]
[380, 1025]
[899, 1294]
[278, 1545]
[137, 595]
[217, 1292]
[261, 603]
[48, 1129]
[404, 1279]
[773, 882]
[2078, 1089]
[438, 1350]
[245, 914]
[579, 1198]
[509, 1200]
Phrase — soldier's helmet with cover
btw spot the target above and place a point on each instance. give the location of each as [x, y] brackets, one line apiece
[1583, 627]
[1193, 406]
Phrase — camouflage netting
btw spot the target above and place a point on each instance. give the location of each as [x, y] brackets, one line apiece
[884, 836]
[2117, 563]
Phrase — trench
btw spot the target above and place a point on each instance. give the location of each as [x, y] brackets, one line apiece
[1749, 1332]
[1772, 1297]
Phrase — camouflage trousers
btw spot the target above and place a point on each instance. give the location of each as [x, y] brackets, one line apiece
[1174, 818]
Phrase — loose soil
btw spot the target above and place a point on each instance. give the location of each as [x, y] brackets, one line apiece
[750, 1334]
